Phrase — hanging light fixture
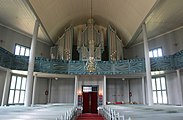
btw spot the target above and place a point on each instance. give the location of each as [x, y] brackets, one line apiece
[91, 64]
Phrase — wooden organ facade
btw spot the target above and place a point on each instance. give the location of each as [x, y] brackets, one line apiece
[88, 40]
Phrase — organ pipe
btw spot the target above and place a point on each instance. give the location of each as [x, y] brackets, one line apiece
[115, 45]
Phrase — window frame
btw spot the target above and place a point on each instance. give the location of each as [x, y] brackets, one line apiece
[16, 44]
[17, 89]
[151, 50]
[161, 90]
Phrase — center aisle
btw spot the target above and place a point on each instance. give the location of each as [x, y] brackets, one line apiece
[90, 116]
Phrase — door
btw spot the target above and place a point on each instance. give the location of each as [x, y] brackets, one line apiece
[85, 102]
[94, 102]
[90, 102]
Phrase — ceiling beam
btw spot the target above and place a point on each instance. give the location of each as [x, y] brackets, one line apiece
[139, 30]
[29, 6]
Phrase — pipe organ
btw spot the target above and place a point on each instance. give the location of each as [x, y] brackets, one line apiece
[115, 45]
[89, 42]
[64, 45]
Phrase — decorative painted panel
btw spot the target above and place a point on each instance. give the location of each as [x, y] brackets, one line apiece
[178, 59]
[11, 61]
[162, 63]
[20, 62]
[5, 58]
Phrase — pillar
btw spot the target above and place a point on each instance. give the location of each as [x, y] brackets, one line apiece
[75, 91]
[49, 90]
[104, 91]
[6, 88]
[143, 91]
[29, 83]
[179, 83]
[148, 67]
[34, 90]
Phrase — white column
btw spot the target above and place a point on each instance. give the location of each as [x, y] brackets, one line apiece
[75, 91]
[49, 90]
[179, 83]
[143, 91]
[29, 83]
[104, 91]
[34, 90]
[148, 67]
[6, 88]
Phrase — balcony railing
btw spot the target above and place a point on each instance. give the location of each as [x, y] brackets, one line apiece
[11, 61]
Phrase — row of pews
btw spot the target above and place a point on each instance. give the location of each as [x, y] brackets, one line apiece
[38, 112]
[142, 112]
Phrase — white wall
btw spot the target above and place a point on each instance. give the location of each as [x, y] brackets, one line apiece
[172, 88]
[10, 38]
[2, 80]
[41, 87]
[134, 52]
[126, 90]
[116, 91]
[62, 90]
[136, 89]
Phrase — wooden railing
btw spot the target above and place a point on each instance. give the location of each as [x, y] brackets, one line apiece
[11, 61]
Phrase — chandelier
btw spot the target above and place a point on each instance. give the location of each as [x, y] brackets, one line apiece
[91, 63]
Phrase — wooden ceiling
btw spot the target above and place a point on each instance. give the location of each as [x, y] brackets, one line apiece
[126, 16]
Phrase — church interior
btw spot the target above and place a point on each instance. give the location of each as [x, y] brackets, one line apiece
[91, 59]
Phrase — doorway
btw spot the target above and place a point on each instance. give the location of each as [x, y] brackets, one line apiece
[90, 99]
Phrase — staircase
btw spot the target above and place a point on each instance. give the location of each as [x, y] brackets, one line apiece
[89, 116]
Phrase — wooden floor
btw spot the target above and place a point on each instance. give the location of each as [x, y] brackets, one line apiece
[89, 116]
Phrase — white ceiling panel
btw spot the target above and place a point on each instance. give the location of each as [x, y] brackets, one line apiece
[166, 17]
[16, 15]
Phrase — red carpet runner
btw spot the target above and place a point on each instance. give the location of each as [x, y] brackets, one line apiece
[90, 116]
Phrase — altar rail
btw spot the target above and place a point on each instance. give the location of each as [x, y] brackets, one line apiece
[11, 61]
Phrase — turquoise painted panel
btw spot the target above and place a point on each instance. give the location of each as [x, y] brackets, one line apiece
[122, 67]
[136, 66]
[178, 59]
[162, 63]
[11, 61]
[5, 58]
[104, 67]
[76, 67]
[58, 66]
[20, 63]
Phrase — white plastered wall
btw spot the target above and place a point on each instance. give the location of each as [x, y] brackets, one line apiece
[2, 80]
[10, 38]
[62, 90]
[41, 87]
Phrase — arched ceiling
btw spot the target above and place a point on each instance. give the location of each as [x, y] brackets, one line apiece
[124, 15]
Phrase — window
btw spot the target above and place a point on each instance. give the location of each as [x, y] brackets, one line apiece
[156, 53]
[159, 90]
[22, 50]
[17, 89]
